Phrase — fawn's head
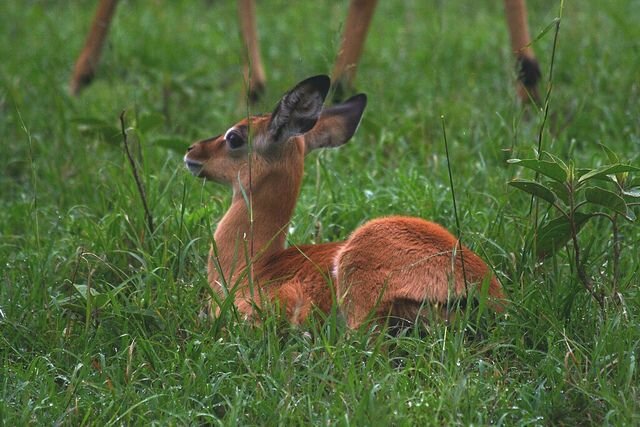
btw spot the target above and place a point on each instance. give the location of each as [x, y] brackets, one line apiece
[273, 145]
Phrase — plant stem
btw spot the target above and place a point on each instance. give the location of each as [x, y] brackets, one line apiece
[455, 207]
[582, 274]
[547, 102]
[136, 177]
[616, 253]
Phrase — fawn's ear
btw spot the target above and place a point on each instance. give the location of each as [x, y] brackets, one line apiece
[299, 109]
[336, 124]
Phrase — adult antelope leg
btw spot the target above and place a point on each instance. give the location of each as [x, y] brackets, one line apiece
[355, 33]
[254, 71]
[87, 63]
[528, 68]
[85, 68]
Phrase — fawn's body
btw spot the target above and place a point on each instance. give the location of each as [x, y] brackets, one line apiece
[389, 266]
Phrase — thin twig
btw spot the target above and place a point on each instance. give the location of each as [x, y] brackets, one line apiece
[617, 250]
[547, 103]
[74, 275]
[136, 177]
[455, 207]
[547, 97]
[34, 177]
[582, 274]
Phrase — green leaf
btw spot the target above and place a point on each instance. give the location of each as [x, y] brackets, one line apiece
[99, 299]
[547, 168]
[613, 157]
[609, 199]
[535, 189]
[583, 171]
[552, 25]
[556, 233]
[607, 170]
[174, 144]
[556, 159]
[560, 190]
[632, 192]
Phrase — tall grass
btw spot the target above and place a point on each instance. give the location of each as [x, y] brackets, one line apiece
[99, 317]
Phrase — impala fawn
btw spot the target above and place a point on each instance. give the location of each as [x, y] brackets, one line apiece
[356, 27]
[393, 266]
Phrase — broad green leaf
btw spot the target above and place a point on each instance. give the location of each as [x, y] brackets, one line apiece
[174, 144]
[608, 199]
[560, 190]
[607, 170]
[535, 189]
[632, 192]
[556, 233]
[557, 160]
[613, 157]
[547, 168]
[583, 171]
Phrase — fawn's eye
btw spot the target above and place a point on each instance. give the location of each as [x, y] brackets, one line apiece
[234, 140]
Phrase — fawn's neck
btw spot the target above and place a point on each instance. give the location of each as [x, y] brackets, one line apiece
[254, 228]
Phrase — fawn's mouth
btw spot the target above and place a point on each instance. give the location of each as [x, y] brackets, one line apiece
[194, 167]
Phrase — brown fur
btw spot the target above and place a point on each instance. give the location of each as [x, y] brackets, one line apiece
[393, 265]
[87, 63]
[527, 68]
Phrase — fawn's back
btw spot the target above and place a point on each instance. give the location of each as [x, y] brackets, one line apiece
[396, 266]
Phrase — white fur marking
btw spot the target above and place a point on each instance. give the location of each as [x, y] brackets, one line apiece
[227, 132]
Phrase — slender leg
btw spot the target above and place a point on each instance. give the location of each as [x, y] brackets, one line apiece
[355, 33]
[87, 62]
[254, 71]
[526, 62]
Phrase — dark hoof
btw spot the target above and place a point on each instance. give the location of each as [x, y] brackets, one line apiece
[256, 92]
[529, 75]
[79, 82]
[341, 91]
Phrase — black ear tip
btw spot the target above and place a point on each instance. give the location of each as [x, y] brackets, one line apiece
[321, 83]
[360, 100]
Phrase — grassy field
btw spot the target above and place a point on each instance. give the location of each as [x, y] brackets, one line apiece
[99, 318]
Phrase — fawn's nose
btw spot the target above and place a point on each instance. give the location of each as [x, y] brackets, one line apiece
[191, 147]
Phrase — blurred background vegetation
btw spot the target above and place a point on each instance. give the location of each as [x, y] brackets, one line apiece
[99, 317]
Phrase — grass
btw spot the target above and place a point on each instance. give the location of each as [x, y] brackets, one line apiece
[99, 318]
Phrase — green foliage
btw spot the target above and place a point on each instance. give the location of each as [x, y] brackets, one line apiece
[554, 234]
[571, 192]
[577, 196]
[99, 319]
